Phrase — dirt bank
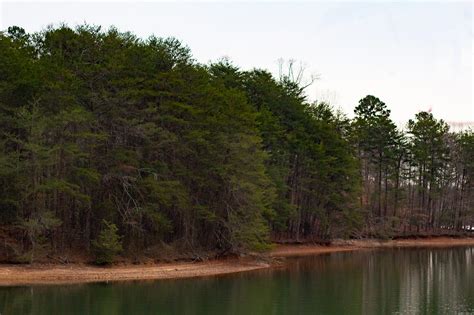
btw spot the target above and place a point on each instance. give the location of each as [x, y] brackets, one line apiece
[349, 245]
[49, 274]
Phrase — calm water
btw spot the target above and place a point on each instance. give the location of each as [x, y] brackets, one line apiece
[407, 281]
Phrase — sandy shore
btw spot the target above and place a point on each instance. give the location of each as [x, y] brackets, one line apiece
[75, 273]
[57, 274]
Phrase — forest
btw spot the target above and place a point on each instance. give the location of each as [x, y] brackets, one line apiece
[115, 145]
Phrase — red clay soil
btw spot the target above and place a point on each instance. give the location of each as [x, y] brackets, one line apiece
[75, 273]
[350, 245]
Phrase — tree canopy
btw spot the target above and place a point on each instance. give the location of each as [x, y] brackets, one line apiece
[102, 126]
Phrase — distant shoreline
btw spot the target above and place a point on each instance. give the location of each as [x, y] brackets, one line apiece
[13, 275]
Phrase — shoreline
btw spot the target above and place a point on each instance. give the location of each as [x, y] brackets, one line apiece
[17, 275]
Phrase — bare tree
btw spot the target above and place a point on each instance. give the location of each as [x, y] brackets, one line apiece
[294, 71]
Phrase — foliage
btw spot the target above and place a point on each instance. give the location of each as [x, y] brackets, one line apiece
[101, 125]
[108, 244]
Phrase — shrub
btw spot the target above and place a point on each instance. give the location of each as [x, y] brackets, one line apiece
[108, 245]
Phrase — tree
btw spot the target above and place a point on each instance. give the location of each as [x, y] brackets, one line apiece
[430, 155]
[108, 244]
[376, 138]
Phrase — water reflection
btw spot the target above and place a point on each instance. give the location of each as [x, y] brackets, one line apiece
[408, 281]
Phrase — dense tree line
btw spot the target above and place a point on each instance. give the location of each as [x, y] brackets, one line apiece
[110, 143]
[419, 180]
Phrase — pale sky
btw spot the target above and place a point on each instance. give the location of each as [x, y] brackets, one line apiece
[412, 55]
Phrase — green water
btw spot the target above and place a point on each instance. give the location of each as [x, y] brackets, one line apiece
[406, 281]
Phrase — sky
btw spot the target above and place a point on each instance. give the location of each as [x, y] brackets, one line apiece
[412, 55]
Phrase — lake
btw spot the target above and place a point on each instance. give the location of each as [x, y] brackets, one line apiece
[391, 281]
